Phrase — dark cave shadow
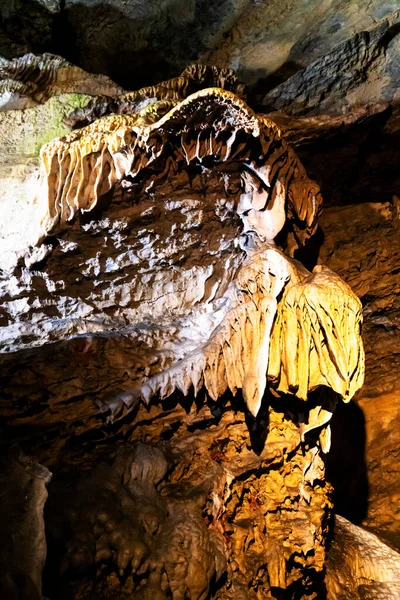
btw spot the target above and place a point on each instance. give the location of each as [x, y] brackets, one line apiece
[308, 254]
[389, 35]
[36, 29]
[130, 67]
[130, 53]
[29, 25]
[294, 410]
[346, 467]
[258, 427]
[355, 163]
[266, 83]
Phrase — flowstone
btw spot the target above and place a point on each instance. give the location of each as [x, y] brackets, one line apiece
[188, 432]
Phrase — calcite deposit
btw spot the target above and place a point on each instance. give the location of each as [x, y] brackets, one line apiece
[178, 333]
[156, 259]
[31, 80]
[361, 565]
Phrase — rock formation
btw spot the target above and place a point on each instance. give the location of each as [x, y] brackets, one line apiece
[155, 260]
[361, 565]
[177, 328]
[23, 545]
[146, 42]
[31, 80]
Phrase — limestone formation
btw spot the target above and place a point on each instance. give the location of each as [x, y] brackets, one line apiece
[31, 80]
[188, 518]
[174, 363]
[86, 165]
[117, 147]
[361, 565]
[194, 78]
[23, 495]
[60, 96]
[140, 43]
[163, 262]
[368, 243]
[355, 68]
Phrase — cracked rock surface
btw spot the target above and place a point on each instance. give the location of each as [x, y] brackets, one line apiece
[361, 565]
[192, 511]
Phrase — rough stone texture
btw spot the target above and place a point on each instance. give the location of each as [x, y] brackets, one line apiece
[369, 242]
[362, 239]
[216, 318]
[23, 494]
[42, 98]
[161, 276]
[22, 133]
[344, 111]
[191, 511]
[361, 565]
[360, 71]
[264, 41]
[338, 66]
[31, 79]
[272, 40]
[37, 94]
[382, 453]
[353, 157]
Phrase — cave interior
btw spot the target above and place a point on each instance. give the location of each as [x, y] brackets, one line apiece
[199, 300]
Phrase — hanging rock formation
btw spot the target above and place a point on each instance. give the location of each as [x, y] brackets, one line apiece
[188, 434]
[86, 165]
[167, 285]
[32, 80]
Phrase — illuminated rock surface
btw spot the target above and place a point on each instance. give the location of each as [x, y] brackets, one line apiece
[160, 354]
[180, 264]
[361, 565]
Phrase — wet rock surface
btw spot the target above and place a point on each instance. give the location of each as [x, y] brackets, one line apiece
[361, 565]
[189, 510]
[176, 288]
[266, 42]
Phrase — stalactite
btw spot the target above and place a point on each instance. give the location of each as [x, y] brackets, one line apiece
[209, 356]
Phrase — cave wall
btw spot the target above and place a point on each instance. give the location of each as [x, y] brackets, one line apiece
[361, 243]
